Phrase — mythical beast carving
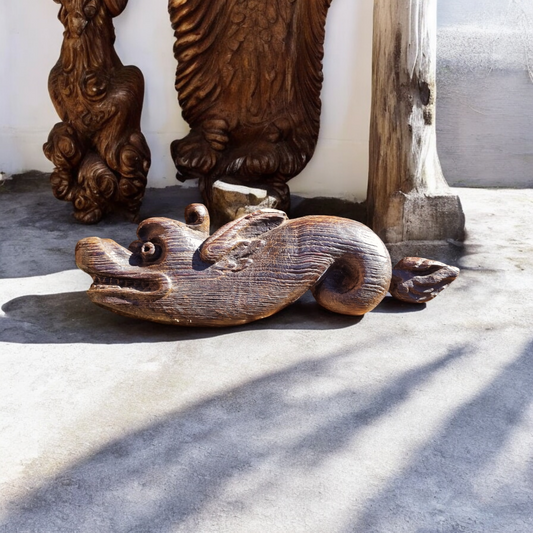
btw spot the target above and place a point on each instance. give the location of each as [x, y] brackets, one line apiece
[248, 79]
[249, 269]
[100, 155]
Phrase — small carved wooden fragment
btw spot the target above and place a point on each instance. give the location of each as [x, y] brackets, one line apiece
[418, 280]
[249, 269]
[249, 78]
[100, 155]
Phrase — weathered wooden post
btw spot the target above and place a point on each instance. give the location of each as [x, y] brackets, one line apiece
[408, 197]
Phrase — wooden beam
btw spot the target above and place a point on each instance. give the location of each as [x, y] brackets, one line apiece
[408, 197]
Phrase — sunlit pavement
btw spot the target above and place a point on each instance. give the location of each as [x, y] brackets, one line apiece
[412, 419]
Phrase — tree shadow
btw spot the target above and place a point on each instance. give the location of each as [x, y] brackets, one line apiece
[256, 437]
[453, 483]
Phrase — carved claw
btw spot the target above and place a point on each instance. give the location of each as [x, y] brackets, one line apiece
[263, 160]
[216, 133]
[418, 280]
[193, 156]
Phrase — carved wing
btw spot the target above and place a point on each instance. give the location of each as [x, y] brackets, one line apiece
[232, 246]
[198, 27]
[237, 51]
[311, 35]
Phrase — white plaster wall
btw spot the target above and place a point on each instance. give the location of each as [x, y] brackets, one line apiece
[30, 39]
[485, 92]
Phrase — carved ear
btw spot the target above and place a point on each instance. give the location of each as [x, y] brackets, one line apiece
[115, 7]
[242, 236]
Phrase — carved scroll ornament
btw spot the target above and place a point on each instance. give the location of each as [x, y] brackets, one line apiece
[249, 78]
[100, 155]
[249, 269]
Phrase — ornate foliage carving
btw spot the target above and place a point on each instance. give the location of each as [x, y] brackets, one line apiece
[100, 155]
[249, 78]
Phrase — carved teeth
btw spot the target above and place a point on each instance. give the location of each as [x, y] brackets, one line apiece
[142, 285]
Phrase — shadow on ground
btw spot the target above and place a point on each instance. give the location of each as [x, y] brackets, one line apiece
[41, 232]
[256, 438]
[462, 481]
[73, 318]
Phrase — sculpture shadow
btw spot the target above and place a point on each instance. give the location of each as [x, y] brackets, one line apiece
[256, 436]
[41, 232]
[73, 318]
[390, 305]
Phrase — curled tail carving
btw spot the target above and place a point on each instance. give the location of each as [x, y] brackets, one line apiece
[360, 275]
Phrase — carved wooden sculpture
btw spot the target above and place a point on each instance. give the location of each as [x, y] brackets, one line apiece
[249, 78]
[249, 269]
[100, 155]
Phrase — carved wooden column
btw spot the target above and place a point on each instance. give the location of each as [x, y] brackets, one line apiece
[249, 78]
[408, 197]
[100, 155]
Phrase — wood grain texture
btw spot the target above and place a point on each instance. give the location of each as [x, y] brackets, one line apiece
[100, 155]
[417, 280]
[249, 269]
[249, 77]
[404, 169]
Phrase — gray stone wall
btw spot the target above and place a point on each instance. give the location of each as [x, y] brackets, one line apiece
[485, 92]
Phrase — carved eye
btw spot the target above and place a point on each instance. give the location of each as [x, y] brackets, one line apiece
[150, 251]
[90, 10]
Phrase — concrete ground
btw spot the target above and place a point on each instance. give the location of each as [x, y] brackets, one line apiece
[411, 419]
